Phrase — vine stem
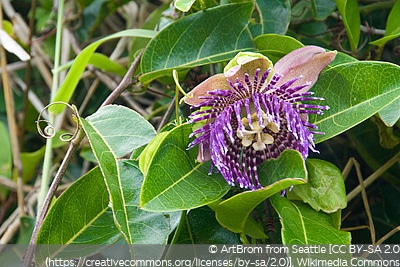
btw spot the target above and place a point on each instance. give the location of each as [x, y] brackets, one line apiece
[126, 80]
[48, 156]
[51, 192]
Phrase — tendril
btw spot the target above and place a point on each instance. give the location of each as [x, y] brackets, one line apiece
[49, 131]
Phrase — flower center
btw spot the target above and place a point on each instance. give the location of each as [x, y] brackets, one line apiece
[255, 132]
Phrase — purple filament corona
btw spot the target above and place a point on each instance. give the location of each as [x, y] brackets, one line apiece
[254, 121]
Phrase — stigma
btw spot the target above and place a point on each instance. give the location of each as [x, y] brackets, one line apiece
[256, 133]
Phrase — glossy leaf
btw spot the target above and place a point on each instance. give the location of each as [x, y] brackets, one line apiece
[351, 20]
[86, 217]
[274, 15]
[146, 156]
[276, 46]
[251, 227]
[322, 8]
[275, 175]
[174, 180]
[123, 129]
[120, 176]
[175, 48]
[67, 88]
[325, 188]
[342, 58]
[201, 227]
[392, 26]
[354, 92]
[81, 215]
[145, 227]
[303, 225]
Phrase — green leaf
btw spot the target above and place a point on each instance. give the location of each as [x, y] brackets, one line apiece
[103, 62]
[184, 5]
[342, 58]
[276, 175]
[145, 227]
[351, 20]
[67, 88]
[276, 46]
[122, 179]
[325, 188]
[147, 155]
[175, 181]
[123, 129]
[387, 137]
[176, 48]
[322, 8]
[30, 162]
[253, 229]
[274, 15]
[391, 113]
[303, 225]
[201, 227]
[354, 92]
[392, 26]
[81, 214]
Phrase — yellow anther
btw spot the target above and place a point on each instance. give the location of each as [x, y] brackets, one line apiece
[273, 127]
[247, 140]
[259, 146]
[267, 138]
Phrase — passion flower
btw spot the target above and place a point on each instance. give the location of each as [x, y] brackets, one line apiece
[254, 111]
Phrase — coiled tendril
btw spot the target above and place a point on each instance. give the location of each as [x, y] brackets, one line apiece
[49, 130]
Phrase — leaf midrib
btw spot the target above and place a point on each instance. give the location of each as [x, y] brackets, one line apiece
[119, 182]
[175, 183]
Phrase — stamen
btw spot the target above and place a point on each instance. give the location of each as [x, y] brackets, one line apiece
[255, 82]
[264, 78]
[289, 83]
[275, 79]
[247, 81]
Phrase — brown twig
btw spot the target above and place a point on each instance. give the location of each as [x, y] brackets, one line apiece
[125, 82]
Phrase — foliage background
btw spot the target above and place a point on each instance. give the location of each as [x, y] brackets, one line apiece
[196, 43]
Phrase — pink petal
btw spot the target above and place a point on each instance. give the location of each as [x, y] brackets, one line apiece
[307, 62]
[217, 81]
